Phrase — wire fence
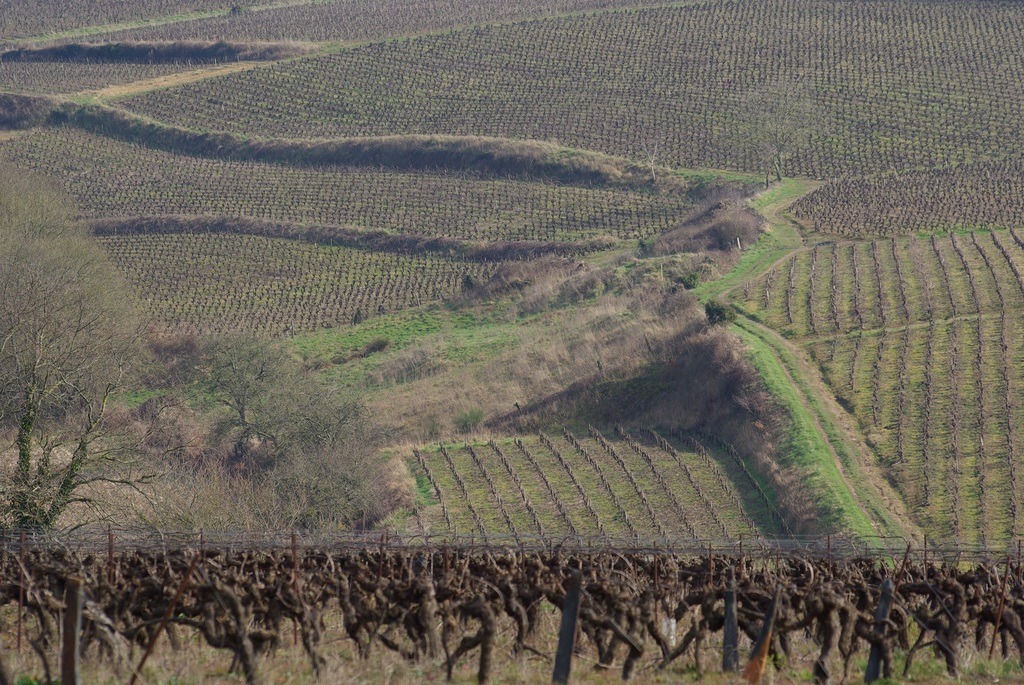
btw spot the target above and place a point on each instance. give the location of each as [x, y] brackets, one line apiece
[806, 547]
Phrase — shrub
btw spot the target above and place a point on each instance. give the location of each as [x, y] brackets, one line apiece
[469, 420]
[376, 345]
[690, 280]
[719, 313]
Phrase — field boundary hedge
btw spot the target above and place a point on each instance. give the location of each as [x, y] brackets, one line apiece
[484, 156]
[347, 236]
[157, 52]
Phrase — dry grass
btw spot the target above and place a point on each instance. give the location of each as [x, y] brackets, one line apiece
[542, 359]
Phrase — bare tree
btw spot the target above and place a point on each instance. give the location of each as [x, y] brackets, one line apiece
[651, 153]
[67, 340]
[310, 449]
[775, 121]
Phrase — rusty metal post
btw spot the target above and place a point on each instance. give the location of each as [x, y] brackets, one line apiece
[711, 566]
[903, 568]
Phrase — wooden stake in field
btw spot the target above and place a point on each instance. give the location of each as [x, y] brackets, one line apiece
[730, 643]
[70, 656]
[759, 655]
[567, 631]
[874, 669]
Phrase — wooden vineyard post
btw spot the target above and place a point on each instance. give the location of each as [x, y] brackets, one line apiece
[874, 669]
[567, 631]
[730, 645]
[759, 655]
[70, 656]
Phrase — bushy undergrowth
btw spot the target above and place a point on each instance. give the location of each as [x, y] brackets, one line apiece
[155, 52]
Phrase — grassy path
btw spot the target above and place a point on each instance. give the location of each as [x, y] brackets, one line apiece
[124, 90]
[776, 245]
[824, 443]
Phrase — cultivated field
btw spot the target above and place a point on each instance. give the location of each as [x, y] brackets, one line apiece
[982, 195]
[47, 78]
[631, 484]
[397, 610]
[359, 20]
[917, 337]
[901, 84]
[20, 20]
[113, 179]
[245, 201]
[217, 283]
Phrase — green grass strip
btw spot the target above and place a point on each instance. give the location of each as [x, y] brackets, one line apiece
[805, 447]
[779, 240]
[860, 514]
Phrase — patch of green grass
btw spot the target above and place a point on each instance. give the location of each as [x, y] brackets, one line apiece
[134, 398]
[424, 490]
[701, 176]
[781, 238]
[400, 328]
[461, 336]
[807, 448]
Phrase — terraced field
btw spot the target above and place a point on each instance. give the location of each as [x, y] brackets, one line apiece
[630, 484]
[23, 19]
[983, 195]
[916, 334]
[903, 85]
[70, 77]
[358, 20]
[222, 282]
[110, 179]
[919, 339]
